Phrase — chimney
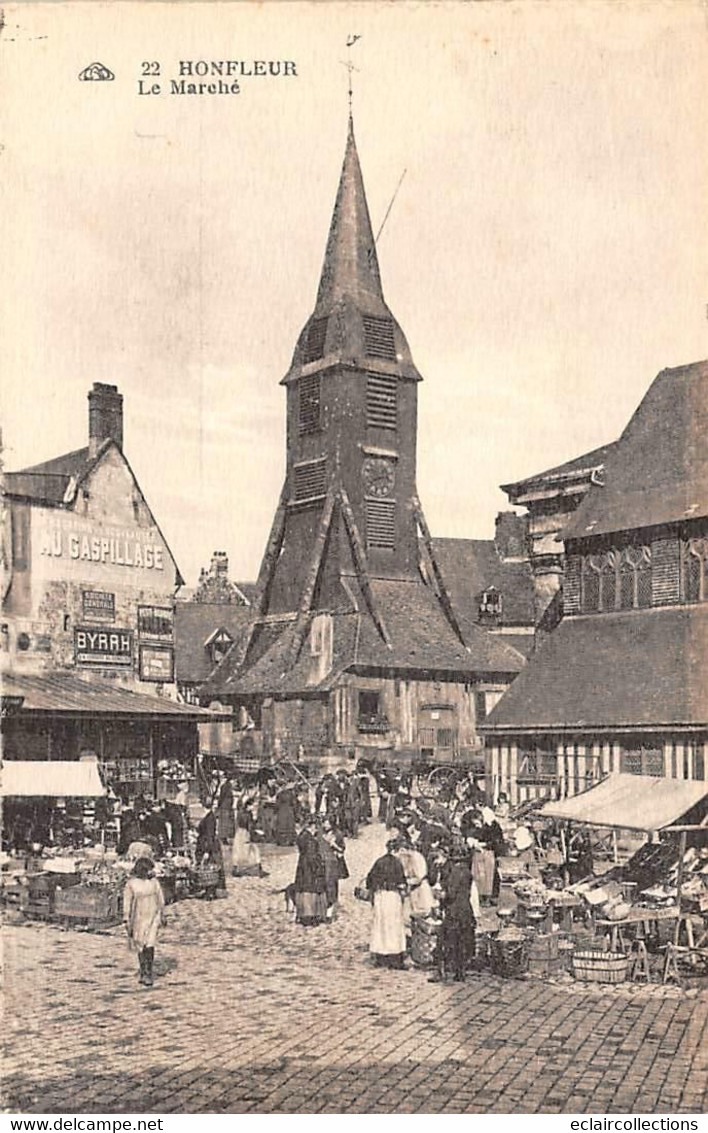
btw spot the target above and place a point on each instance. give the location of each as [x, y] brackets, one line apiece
[511, 536]
[220, 564]
[105, 416]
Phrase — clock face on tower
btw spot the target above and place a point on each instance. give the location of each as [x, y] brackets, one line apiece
[379, 477]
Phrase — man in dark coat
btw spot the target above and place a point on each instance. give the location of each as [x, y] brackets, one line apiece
[285, 817]
[155, 827]
[362, 777]
[129, 829]
[456, 942]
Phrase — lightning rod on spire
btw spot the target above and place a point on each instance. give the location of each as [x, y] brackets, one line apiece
[351, 40]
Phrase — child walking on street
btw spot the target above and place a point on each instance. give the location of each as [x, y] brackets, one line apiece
[144, 915]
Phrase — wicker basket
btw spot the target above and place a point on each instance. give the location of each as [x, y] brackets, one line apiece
[600, 967]
[208, 876]
[509, 957]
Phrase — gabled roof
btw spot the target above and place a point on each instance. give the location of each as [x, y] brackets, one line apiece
[422, 638]
[634, 669]
[658, 471]
[55, 482]
[195, 624]
[249, 590]
[471, 566]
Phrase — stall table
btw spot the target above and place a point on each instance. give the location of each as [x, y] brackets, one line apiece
[645, 917]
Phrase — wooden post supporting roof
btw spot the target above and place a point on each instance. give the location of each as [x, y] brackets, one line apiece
[443, 595]
[360, 565]
[313, 574]
[238, 651]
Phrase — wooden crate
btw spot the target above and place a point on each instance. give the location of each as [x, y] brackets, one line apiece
[82, 903]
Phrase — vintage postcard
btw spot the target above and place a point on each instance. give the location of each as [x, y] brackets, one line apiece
[354, 560]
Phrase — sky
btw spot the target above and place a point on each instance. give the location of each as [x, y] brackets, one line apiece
[545, 255]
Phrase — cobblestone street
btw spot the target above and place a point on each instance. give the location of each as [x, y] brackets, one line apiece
[252, 1013]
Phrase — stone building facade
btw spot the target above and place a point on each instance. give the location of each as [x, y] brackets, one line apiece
[88, 612]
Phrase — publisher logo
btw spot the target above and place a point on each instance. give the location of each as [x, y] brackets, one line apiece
[96, 73]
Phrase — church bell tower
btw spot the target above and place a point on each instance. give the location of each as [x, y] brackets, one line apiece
[351, 423]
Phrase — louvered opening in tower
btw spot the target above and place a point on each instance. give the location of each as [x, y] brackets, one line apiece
[381, 523]
[309, 407]
[315, 341]
[309, 480]
[378, 338]
[381, 401]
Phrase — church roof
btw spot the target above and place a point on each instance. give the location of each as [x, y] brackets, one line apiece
[635, 669]
[421, 641]
[351, 323]
[471, 566]
[351, 266]
[658, 471]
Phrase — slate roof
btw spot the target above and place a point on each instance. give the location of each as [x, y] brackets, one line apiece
[47, 482]
[195, 622]
[637, 668]
[471, 566]
[421, 641]
[658, 471]
[577, 468]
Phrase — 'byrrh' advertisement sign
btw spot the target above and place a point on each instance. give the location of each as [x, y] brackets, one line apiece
[103, 645]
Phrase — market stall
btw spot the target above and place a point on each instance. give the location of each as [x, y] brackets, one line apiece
[56, 864]
[646, 900]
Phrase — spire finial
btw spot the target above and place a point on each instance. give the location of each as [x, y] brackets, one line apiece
[351, 40]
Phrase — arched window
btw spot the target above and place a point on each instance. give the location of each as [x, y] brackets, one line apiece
[635, 578]
[694, 570]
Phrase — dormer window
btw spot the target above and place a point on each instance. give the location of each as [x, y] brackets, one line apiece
[218, 644]
[490, 604]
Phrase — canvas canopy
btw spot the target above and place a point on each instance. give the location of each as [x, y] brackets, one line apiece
[631, 802]
[51, 779]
